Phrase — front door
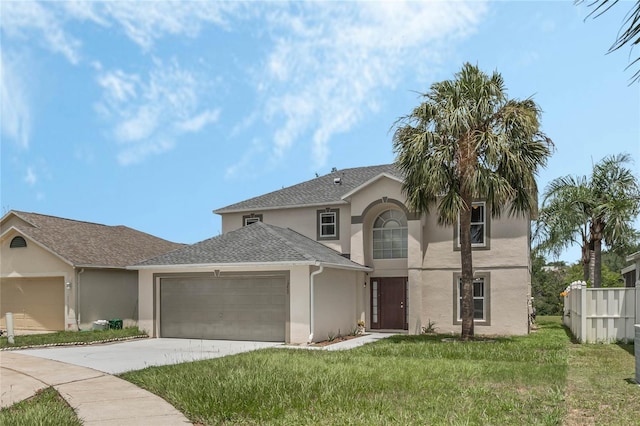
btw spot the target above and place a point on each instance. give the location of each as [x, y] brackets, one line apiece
[388, 303]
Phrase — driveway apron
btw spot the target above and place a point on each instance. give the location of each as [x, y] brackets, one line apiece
[96, 397]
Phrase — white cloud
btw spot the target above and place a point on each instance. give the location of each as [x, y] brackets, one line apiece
[21, 18]
[150, 113]
[30, 177]
[332, 62]
[15, 113]
[144, 23]
[195, 124]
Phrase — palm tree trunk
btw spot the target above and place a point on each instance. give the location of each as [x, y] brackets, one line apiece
[586, 257]
[597, 228]
[467, 270]
[592, 262]
[597, 263]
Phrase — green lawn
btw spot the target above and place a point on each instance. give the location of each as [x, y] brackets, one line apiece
[541, 379]
[401, 380]
[46, 408]
[69, 337]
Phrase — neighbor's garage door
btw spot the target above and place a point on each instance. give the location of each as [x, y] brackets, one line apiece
[236, 308]
[36, 303]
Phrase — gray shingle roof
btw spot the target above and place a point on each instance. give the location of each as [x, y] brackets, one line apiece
[321, 190]
[92, 244]
[255, 243]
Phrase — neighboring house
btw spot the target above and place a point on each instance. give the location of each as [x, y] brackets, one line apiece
[630, 273]
[403, 273]
[62, 274]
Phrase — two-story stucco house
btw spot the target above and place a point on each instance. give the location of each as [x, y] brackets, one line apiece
[331, 251]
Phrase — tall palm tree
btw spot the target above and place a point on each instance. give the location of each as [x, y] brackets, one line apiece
[616, 203]
[598, 208]
[468, 140]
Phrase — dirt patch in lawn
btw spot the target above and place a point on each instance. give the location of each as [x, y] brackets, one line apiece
[336, 340]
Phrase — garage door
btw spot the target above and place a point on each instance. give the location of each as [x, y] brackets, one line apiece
[36, 303]
[237, 308]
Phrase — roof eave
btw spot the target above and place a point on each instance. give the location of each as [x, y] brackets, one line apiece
[633, 257]
[221, 265]
[242, 265]
[292, 206]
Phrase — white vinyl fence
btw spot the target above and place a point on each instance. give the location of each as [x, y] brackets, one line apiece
[601, 314]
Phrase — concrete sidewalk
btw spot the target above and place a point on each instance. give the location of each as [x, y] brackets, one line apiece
[96, 397]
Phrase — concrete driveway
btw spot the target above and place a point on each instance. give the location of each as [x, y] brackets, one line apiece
[116, 358]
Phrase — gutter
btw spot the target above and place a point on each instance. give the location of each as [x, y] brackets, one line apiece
[247, 264]
[311, 304]
[78, 298]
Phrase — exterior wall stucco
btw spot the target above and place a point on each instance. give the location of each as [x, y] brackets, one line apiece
[383, 187]
[108, 294]
[509, 299]
[509, 244]
[302, 220]
[336, 293]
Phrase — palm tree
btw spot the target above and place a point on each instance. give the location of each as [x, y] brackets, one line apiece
[616, 203]
[563, 219]
[599, 208]
[629, 33]
[467, 140]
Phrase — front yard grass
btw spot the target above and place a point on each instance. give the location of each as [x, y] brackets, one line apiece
[601, 389]
[400, 380]
[44, 409]
[69, 337]
[542, 379]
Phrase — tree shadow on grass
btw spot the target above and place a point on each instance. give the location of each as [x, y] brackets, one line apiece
[628, 347]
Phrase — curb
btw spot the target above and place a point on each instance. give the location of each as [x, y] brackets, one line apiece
[95, 342]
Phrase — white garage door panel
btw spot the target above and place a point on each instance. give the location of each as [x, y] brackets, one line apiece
[36, 303]
[238, 308]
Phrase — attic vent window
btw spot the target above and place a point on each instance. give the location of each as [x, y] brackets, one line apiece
[18, 242]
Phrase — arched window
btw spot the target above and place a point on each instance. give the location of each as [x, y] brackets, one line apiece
[390, 235]
[18, 242]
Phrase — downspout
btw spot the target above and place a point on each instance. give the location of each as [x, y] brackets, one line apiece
[78, 298]
[311, 304]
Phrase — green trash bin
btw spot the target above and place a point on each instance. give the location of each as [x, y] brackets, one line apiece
[115, 324]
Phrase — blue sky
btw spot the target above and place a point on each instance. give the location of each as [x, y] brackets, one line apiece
[152, 114]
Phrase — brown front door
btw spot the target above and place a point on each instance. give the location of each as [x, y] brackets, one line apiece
[388, 303]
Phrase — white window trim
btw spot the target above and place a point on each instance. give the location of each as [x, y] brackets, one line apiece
[484, 226]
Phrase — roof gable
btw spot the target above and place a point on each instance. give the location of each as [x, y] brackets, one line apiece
[370, 182]
[90, 244]
[258, 243]
[324, 190]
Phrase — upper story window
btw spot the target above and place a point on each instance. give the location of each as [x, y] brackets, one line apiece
[17, 242]
[390, 235]
[328, 224]
[479, 225]
[252, 218]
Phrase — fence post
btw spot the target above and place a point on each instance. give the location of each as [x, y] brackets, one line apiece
[637, 351]
[584, 313]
